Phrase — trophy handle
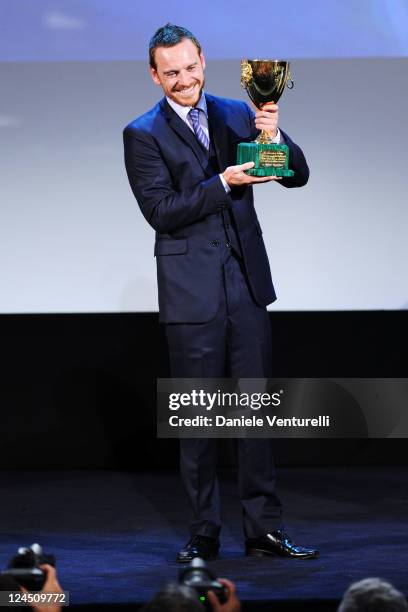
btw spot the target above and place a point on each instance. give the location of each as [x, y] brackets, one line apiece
[289, 81]
[246, 74]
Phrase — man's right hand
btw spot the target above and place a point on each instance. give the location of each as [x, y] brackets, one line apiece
[235, 176]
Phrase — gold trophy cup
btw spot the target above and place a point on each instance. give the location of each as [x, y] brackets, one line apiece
[264, 81]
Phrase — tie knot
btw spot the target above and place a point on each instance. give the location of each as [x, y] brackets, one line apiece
[194, 114]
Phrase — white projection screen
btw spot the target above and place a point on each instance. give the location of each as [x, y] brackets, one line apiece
[73, 73]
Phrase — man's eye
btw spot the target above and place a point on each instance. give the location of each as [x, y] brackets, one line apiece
[191, 68]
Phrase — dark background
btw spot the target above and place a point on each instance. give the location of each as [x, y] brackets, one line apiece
[79, 391]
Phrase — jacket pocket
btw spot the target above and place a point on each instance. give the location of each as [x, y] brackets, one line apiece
[171, 247]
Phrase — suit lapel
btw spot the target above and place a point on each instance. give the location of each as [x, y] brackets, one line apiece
[187, 135]
[218, 131]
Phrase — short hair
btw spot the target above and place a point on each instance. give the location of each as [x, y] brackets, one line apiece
[373, 595]
[169, 35]
[175, 598]
[8, 583]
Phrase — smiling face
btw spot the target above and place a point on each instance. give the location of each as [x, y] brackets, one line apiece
[180, 72]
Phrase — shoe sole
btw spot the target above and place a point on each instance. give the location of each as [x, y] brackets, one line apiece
[258, 552]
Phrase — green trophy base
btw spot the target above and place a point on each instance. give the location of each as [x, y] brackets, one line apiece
[269, 159]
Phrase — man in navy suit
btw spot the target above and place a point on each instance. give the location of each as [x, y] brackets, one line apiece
[213, 274]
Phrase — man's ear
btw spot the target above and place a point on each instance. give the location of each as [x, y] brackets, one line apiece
[154, 75]
[202, 59]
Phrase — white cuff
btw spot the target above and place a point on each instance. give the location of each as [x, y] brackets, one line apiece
[224, 182]
[277, 138]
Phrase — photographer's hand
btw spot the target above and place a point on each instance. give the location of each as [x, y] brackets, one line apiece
[51, 585]
[231, 605]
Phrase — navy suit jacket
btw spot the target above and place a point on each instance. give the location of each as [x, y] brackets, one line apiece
[180, 196]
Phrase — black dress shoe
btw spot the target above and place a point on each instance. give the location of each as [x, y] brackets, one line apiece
[199, 546]
[278, 543]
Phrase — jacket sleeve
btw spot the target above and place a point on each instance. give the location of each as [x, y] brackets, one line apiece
[165, 208]
[297, 160]
[297, 163]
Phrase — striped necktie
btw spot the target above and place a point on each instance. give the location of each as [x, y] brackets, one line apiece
[201, 136]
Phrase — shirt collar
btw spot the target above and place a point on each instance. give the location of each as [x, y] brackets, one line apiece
[183, 111]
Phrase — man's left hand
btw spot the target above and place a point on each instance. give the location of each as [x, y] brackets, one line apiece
[267, 119]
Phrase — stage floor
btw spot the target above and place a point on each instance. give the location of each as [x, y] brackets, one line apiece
[115, 534]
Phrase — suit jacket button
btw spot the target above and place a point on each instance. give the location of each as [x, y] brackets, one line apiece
[228, 245]
[215, 243]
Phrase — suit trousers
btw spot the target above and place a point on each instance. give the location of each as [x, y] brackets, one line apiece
[235, 343]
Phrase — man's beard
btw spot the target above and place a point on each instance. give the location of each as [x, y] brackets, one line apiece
[200, 88]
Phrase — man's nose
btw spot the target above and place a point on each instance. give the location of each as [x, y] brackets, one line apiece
[184, 78]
